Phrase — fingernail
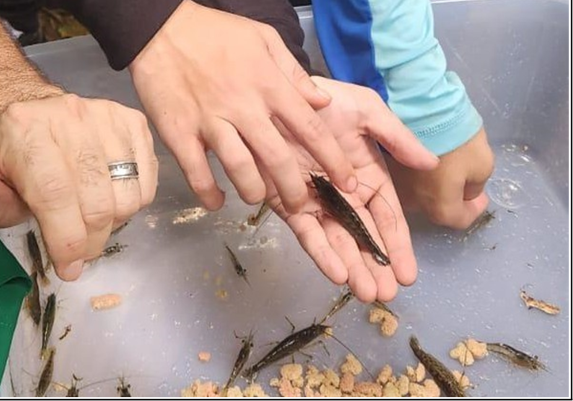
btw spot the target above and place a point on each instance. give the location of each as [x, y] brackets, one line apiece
[75, 269]
[351, 184]
[323, 93]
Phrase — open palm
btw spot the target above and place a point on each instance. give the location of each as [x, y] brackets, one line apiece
[357, 117]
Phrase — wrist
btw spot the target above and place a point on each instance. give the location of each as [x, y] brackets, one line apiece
[26, 89]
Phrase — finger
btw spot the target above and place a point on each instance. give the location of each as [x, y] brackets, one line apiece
[86, 158]
[287, 63]
[385, 127]
[239, 164]
[312, 237]
[386, 211]
[309, 129]
[278, 161]
[457, 213]
[190, 154]
[147, 162]
[13, 210]
[48, 188]
[360, 278]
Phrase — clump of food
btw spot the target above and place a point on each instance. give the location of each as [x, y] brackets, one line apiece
[204, 356]
[387, 320]
[468, 351]
[352, 365]
[367, 389]
[222, 294]
[417, 374]
[106, 301]
[291, 382]
[385, 374]
[201, 389]
[254, 390]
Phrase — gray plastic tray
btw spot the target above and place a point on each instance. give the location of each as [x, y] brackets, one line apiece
[512, 55]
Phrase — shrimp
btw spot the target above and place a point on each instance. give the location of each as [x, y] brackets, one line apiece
[48, 322]
[516, 356]
[336, 206]
[123, 388]
[47, 373]
[340, 303]
[33, 300]
[239, 269]
[36, 256]
[254, 219]
[240, 362]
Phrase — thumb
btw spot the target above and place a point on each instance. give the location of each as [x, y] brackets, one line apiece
[290, 67]
[13, 210]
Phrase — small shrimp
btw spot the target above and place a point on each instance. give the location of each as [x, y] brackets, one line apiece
[242, 358]
[443, 377]
[112, 250]
[481, 222]
[516, 356]
[67, 330]
[339, 208]
[254, 219]
[239, 269]
[74, 390]
[123, 388]
[295, 343]
[48, 322]
[120, 228]
[47, 373]
[33, 300]
[36, 256]
[340, 303]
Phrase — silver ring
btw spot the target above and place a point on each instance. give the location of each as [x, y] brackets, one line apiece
[123, 170]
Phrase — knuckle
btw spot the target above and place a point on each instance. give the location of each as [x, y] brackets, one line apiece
[100, 215]
[126, 207]
[201, 186]
[75, 104]
[16, 113]
[53, 189]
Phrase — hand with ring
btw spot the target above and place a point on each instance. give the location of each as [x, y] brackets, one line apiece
[80, 166]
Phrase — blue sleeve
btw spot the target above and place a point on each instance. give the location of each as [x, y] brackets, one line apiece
[390, 47]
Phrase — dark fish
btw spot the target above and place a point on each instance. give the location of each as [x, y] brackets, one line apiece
[337, 207]
[443, 377]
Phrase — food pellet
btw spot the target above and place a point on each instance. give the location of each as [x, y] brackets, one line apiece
[106, 301]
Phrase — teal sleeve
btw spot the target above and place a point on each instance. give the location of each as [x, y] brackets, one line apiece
[14, 285]
[430, 100]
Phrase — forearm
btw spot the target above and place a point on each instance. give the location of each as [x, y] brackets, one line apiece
[122, 27]
[19, 79]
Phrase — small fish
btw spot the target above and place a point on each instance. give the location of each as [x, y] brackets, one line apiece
[112, 250]
[443, 377]
[239, 269]
[339, 208]
[48, 321]
[36, 257]
[340, 303]
[123, 388]
[516, 356]
[33, 300]
[242, 358]
[67, 330]
[481, 222]
[47, 373]
[254, 219]
[543, 306]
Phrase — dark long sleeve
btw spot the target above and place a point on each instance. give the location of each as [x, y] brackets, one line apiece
[280, 14]
[122, 27]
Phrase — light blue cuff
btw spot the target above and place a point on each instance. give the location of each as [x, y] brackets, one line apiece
[431, 101]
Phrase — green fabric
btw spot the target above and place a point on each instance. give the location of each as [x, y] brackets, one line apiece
[14, 285]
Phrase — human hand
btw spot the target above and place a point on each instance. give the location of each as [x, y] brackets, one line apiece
[357, 116]
[453, 194]
[210, 80]
[54, 156]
